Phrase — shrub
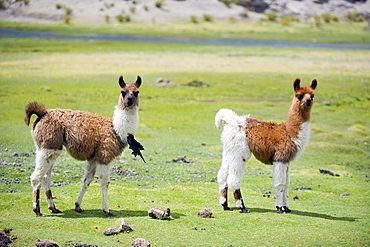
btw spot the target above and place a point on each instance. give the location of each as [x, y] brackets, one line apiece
[107, 18]
[67, 19]
[194, 19]
[68, 11]
[244, 14]
[26, 2]
[226, 2]
[272, 16]
[232, 19]
[360, 18]
[132, 9]
[58, 6]
[326, 17]
[123, 18]
[317, 21]
[285, 21]
[159, 4]
[351, 16]
[146, 8]
[335, 18]
[208, 17]
[2, 4]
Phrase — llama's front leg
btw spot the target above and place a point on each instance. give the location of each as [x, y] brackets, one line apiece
[90, 169]
[42, 175]
[104, 173]
[281, 183]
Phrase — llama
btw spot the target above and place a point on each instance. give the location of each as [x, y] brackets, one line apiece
[271, 143]
[86, 136]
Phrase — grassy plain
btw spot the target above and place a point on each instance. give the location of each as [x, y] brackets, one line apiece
[178, 121]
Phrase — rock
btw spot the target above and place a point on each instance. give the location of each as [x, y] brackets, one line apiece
[158, 213]
[160, 82]
[295, 197]
[124, 227]
[45, 243]
[140, 242]
[196, 83]
[344, 194]
[205, 213]
[111, 231]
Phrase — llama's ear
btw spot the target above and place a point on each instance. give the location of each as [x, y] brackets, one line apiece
[314, 84]
[297, 83]
[121, 82]
[138, 82]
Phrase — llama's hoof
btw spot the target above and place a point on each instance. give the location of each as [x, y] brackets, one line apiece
[227, 209]
[280, 210]
[40, 215]
[55, 211]
[287, 210]
[108, 214]
[283, 210]
[78, 209]
[243, 210]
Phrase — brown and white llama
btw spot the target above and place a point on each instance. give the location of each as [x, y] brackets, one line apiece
[86, 136]
[271, 143]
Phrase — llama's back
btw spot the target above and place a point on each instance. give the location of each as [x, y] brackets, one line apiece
[85, 135]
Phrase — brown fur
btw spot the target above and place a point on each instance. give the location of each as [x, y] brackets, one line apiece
[271, 142]
[86, 136]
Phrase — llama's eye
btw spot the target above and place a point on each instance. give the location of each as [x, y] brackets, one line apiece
[312, 96]
[299, 96]
[136, 93]
[123, 93]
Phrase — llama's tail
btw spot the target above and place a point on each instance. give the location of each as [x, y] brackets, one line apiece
[226, 115]
[33, 108]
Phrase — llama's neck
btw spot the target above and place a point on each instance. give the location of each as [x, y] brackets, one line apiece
[126, 121]
[298, 126]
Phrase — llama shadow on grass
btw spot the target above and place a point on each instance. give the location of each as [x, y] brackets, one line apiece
[97, 213]
[305, 213]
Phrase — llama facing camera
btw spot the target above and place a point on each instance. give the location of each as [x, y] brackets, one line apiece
[86, 136]
[271, 143]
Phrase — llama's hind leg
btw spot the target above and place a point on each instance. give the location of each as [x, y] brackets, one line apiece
[234, 180]
[90, 169]
[281, 183]
[222, 182]
[42, 176]
[104, 178]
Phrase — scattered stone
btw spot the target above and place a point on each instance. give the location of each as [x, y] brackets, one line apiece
[160, 82]
[45, 243]
[205, 213]
[303, 188]
[196, 83]
[344, 194]
[158, 213]
[194, 228]
[295, 197]
[326, 103]
[140, 242]
[328, 172]
[124, 227]
[181, 159]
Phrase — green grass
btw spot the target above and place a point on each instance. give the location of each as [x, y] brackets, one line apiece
[343, 32]
[178, 122]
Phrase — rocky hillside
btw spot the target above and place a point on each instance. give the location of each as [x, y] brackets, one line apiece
[161, 11]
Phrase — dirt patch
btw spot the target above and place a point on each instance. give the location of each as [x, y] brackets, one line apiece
[6, 237]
